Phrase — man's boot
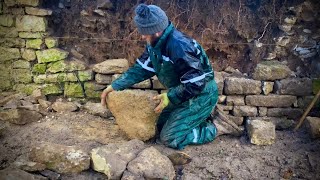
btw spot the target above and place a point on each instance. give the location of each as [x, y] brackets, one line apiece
[225, 125]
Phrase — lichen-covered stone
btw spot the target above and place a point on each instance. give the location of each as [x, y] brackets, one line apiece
[58, 66]
[10, 3]
[12, 42]
[32, 35]
[21, 64]
[51, 55]
[261, 132]
[93, 90]
[9, 54]
[112, 66]
[28, 54]
[51, 42]
[8, 32]
[31, 23]
[22, 75]
[34, 43]
[39, 68]
[61, 77]
[73, 90]
[51, 89]
[6, 20]
[76, 65]
[85, 75]
[271, 70]
[26, 88]
[38, 11]
[40, 79]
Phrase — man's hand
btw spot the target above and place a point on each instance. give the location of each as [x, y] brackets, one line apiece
[164, 101]
[104, 94]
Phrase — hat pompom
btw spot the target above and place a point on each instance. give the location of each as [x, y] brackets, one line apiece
[142, 10]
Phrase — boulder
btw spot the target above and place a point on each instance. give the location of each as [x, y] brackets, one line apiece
[313, 125]
[151, 164]
[64, 106]
[261, 132]
[15, 174]
[271, 70]
[134, 112]
[242, 86]
[19, 116]
[31, 23]
[271, 100]
[111, 66]
[97, 109]
[112, 159]
[60, 158]
[294, 86]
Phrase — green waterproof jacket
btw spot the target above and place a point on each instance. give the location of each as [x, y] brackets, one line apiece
[178, 61]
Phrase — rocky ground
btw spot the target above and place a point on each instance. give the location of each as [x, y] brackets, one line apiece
[293, 156]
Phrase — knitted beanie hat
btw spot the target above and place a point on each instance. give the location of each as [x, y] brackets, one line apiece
[150, 19]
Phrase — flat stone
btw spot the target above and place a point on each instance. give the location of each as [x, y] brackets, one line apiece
[224, 107]
[51, 42]
[21, 64]
[28, 54]
[22, 75]
[271, 70]
[134, 112]
[291, 113]
[21, 2]
[34, 43]
[103, 79]
[151, 164]
[64, 106]
[241, 86]
[19, 116]
[58, 77]
[294, 86]
[12, 42]
[6, 20]
[235, 100]
[111, 66]
[271, 100]
[51, 55]
[38, 11]
[9, 54]
[58, 66]
[8, 32]
[313, 125]
[31, 23]
[25, 88]
[60, 158]
[245, 111]
[112, 159]
[15, 174]
[261, 132]
[267, 87]
[76, 65]
[97, 109]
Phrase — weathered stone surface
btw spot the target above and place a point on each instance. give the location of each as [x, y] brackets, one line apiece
[245, 111]
[76, 65]
[151, 164]
[224, 107]
[38, 11]
[313, 125]
[54, 78]
[51, 55]
[103, 79]
[21, 2]
[294, 86]
[34, 43]
[76, 54]
[21, 64]
[112, 159]
[5, 76]
[14, 11]
[60, 158]
[242, 86]
[8, 32]
[31, 23]
[130, 176]
[73, 90]
[291, 113]
[45, 104]
[25, 164]
[271, 70]
[32, 35]
[19, 116]
[262, 111]
[64, 106]
[12, 42]
[6, 84]
[85, 75]
[270, 100]
[218, 77]
[222, 99]
[25, 88]
[97, 109]
[9, 54]
[93, 90]
[28, 54]
[267, 87]
[39, 79]
[51, 89]
[58, 66]
[134, 112]
[235, 101]
[156, 84]
[39, 68]
[236, 119]
[112, 66]
[22, 75]
[15, 174]
[51, 42]
[6, 20]
[281, 123]
[261, 132]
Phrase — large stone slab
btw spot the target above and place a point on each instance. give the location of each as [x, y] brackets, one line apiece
[112, 66]
[51, 55]
[242, 86]
[21, 2]
[271, 100]
[60, 158]
[112, 159]
[134, 112]
[151, 164]
[271, 70]
[31, 23]
[291, 113]
[261, 132]
[294, 86]
[313, 125]
[9, 54]
[19, 116]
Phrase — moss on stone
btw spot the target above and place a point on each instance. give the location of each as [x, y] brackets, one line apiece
[93, 90]
[22, 75]
[58, 66]
[51, 55]
[26, 88]
[21, 64]
[73, 90]
[51, 42]
[85, 75]
[51, 89]
[34, 43]
[39, 68]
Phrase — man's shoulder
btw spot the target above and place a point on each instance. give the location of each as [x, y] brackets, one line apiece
[178, 43]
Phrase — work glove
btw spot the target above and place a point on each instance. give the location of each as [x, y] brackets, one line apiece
[164, 102]
[104, 95]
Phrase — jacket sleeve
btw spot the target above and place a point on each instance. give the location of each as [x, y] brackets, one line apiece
[140, 71]
[191, 73]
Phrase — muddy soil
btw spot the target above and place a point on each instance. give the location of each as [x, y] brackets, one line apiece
[293, 156]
